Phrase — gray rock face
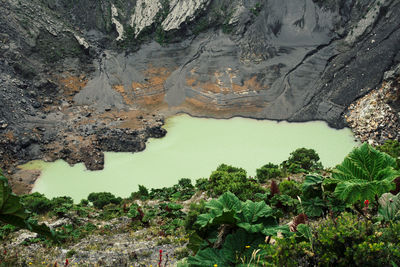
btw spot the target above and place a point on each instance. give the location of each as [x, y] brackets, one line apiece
[144, 13]
[183, 11]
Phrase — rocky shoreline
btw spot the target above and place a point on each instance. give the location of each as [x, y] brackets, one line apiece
[78, 138]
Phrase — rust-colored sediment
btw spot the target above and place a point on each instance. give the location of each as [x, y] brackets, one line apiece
[152, 91]
[71, 84]
[217, 86]
[249, 85]
[121, 89]
[199, 107]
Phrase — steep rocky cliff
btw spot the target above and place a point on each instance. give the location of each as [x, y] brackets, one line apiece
[75, 74]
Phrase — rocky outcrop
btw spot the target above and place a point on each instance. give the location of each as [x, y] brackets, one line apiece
[183, 11]
[374, 118]
[144, 14]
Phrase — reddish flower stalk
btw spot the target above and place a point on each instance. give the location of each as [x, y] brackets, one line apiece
[299, 219]
[66, 262]
[274, 188]
[160, 261]
[366, 203]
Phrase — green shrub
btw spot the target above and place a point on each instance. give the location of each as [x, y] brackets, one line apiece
[71, 253]
[184, 190]
[111, 211]
[391, 147]
[171, 210]
[284, 202]
[227, 178]
[289, 252]
[201, 184]
[290, 188]
[143, 193]
[231, 230]
[194, 211]
[37, 203]
[62, 205]
[342, 241]
[6, 229]
[302, 160]
[349, 241]
[268, 171]
[101, 199]
[84, 202]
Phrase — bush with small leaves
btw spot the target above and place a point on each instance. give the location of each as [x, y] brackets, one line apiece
[392, 148]
[302, 160]
[37, 203]
[201, 184]
[143, 193]
[228, 178]
[290, 188]
[194, 211]
[351, 241]
[101, 199]
[268, 171]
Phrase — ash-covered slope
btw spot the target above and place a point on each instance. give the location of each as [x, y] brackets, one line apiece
[296, 60]
[67, 65]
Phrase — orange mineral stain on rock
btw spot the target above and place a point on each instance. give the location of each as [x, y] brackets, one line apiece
[151, 91]
[121, 89]
[155, 79]
[9, 135]
[72, 84]
[218, 86]
[249, 85]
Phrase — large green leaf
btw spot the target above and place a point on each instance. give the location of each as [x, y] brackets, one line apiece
[209, 257]
[13, 212]
[237, 247]
[313, 207]
[364, 173]
[223, 210]
[389, 207]
[240, 245]
[226, 202]
[273, 230]
[253, 211]
[10, 203]
[304, 231]
[312, 186]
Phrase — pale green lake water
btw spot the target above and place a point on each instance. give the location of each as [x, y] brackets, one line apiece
[193, 148]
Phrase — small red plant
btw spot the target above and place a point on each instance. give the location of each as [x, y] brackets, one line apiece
[366, 203]
[66, 262]
[160, 261]
[299, 219]
[274, 188]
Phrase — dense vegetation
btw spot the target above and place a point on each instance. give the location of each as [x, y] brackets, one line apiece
[292, 214]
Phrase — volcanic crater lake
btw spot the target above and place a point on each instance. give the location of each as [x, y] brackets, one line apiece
[193, 148]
